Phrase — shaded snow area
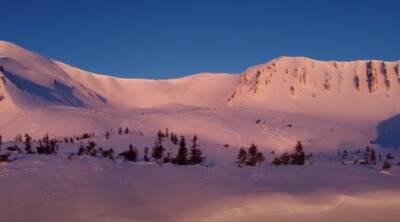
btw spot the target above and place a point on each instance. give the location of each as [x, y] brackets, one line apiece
[343, 116]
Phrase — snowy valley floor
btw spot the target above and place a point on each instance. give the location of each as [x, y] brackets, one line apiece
[54, 188]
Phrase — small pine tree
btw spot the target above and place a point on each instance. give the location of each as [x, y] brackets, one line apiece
[126, 130]
[242, 157]
[181, 157]
[252, 155]
[53, 147]
[260, 158]
[91, 148]
[133, 153]
[174, 139]
[284, 159]
[107, 135]
[120, 131]
[195, 153]
[28, 144]
[299, 158]
[166, 132]
[160, 135]
[146, 154]
[158, 152]
[81, 150]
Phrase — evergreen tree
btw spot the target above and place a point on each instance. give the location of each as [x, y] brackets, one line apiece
[107, 135]
[260, 158]
[46, 141]
[158, 152]
[284, 159]
[53, 147]
[299, 158]
[160, 135]
[174, 139]
[120, 131]
[166, 134]
[195, 153]
[91, 148]
[252, 155]
[28, 144]
[181, 157]
[1, 142]
[109, 154]
[242, 157]
[133, 151]
[81, 150]
[126, 130]
[146, 154]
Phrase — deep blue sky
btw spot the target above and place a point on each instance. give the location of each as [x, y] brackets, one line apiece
[168, 38]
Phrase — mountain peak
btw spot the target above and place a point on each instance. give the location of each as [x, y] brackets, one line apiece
[12, 51]
[8, 47]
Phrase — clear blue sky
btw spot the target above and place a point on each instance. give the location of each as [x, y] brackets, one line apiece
[168, 38]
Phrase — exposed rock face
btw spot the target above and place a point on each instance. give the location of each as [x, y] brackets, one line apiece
[304, 72]
[298, 83]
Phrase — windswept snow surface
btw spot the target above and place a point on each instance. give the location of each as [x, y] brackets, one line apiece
[326, 105]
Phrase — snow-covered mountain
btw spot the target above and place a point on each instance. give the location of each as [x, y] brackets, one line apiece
[336, 109]
[292, 84]
[35, 80]
[342, 89]
[38, 94]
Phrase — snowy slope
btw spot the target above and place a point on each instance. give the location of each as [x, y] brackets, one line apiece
[359, 89]
[204, 89]
[37, 81]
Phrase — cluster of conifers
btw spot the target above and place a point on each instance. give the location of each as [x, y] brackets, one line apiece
[252, 157]
[47, 146]
[184, 155]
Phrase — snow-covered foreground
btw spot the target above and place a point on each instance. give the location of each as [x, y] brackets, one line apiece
[49, 188]
[54, 188]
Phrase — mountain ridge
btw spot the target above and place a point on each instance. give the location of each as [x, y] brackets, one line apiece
[290, 84]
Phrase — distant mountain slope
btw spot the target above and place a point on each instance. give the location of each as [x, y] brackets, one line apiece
[41, 81]
[206, 89]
